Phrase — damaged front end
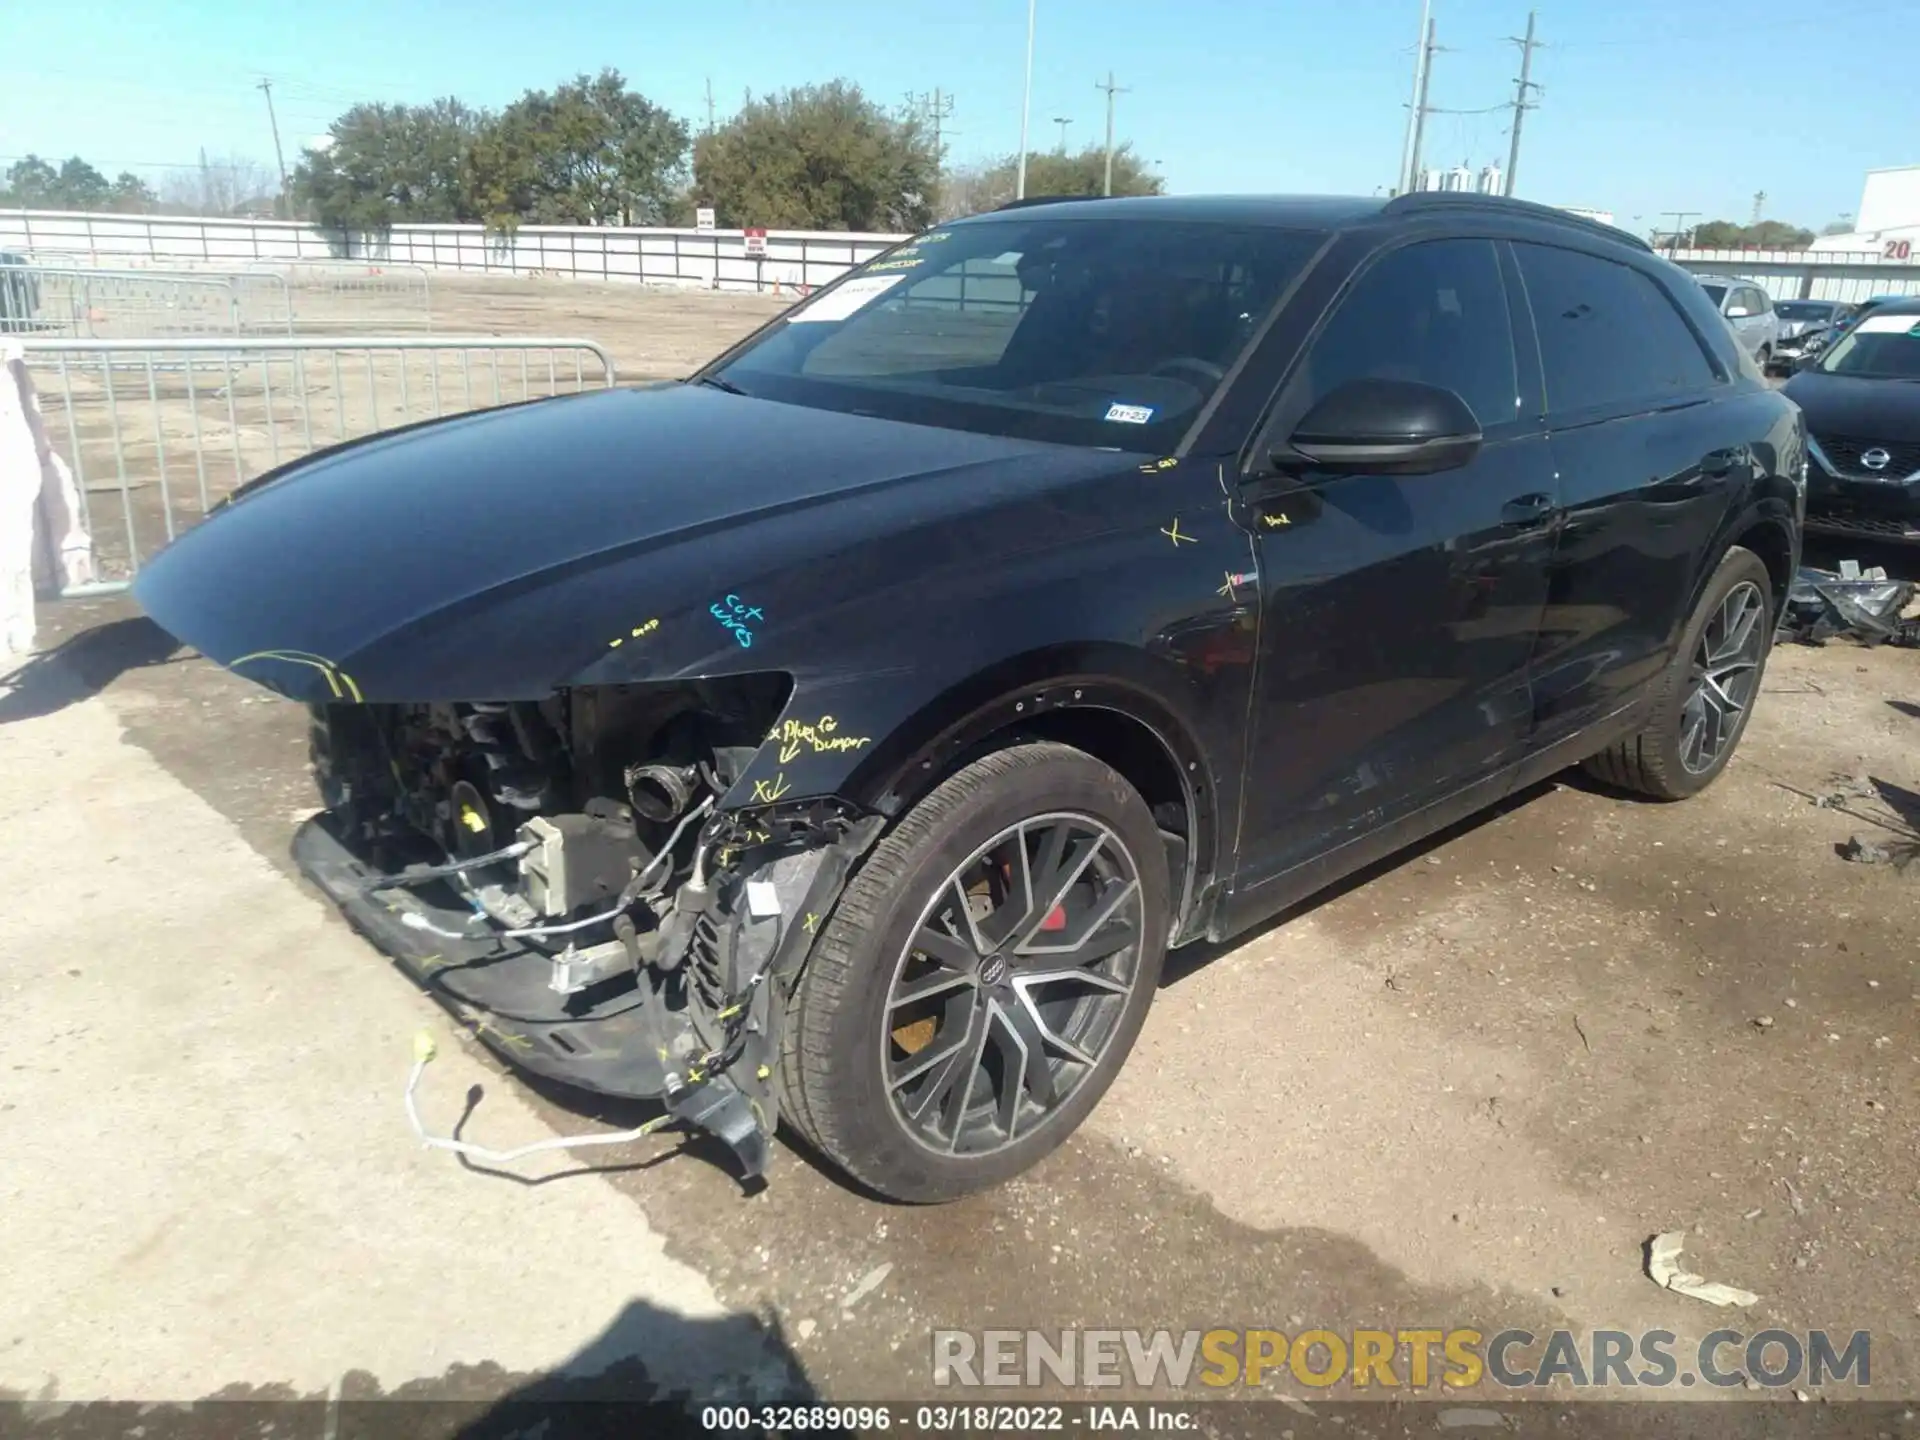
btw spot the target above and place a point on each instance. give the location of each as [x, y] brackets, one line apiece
[567, 878]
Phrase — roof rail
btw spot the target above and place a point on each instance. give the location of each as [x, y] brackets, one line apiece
[1460, 200]
[1051, 200]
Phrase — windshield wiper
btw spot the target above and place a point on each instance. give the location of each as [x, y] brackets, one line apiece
[717, 383]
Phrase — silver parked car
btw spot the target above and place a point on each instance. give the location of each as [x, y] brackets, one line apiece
[1749, 310]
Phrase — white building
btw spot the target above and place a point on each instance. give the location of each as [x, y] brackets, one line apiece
[1888, 222]
[1489, 179]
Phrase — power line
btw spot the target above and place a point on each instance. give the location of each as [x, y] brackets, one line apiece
[1521, 104]
[1112, 90]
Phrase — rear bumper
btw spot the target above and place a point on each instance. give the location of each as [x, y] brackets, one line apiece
[619, 1044]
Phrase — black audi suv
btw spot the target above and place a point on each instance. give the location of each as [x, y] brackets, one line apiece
[842, 737]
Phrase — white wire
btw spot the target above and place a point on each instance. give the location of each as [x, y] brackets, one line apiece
[502, 1157]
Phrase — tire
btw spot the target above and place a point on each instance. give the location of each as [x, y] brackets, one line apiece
[850, 1036]
[1766, 359]
[1663, 760]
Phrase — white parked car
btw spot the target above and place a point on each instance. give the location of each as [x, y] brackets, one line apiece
[1749, 310]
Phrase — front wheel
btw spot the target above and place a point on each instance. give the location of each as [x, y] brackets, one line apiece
[983, 977]
[1707, 694]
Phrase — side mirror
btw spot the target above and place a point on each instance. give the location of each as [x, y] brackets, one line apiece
[1384, 427]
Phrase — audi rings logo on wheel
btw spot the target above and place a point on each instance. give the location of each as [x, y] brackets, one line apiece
[1876, 459]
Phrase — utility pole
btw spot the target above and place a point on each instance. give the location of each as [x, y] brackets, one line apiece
[1063, 121]
[1413, 106]
[709, 105]
[937, 108]
[1026, 109]
[1106, 187]
[1759, 203]
[266, 88]
[1428, 49]
[1521, 104]
[1673, 236]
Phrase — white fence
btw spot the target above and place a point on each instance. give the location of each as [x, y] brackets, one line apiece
[163, 428]
[715, 259]
[102, 304]
[1849, 275]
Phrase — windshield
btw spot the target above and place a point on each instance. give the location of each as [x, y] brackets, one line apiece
[1109, 333]
[1880, 347]
[1715, 293]
[1804, 310]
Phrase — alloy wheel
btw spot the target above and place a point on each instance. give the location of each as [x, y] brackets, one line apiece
[1013, 984]
[1726, 667]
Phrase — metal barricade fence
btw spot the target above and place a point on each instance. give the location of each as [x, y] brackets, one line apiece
[89, 302]
[171, 426]
[353, 293]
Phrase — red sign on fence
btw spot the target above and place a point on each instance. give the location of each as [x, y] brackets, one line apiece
[756, 242]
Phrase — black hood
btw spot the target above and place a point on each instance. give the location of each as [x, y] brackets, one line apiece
[1885, 412]
[375, 558]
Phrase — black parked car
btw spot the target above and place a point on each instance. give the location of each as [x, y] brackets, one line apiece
[843, 736]
[1862, 402]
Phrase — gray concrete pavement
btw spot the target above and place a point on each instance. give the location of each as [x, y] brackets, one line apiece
[208, 1178]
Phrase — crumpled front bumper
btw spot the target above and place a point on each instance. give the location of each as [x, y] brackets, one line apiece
[499, 989]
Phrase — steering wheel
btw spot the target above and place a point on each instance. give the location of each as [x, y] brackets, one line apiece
[1209, 373]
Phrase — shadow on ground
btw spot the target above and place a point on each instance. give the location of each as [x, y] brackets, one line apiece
[83, 666]
[607, 1388]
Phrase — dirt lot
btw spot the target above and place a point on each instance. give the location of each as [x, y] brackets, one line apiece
[1464, 1090]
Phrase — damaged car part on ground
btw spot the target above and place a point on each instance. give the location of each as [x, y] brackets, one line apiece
[839, 740]
[1869, 607]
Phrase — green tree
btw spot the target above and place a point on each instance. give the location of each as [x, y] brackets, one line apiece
[1767, 234]
[31, 184]
[822, 157]
[131, 195]
[389, 164]
[81, 187]
[986, 187]
[591, 151]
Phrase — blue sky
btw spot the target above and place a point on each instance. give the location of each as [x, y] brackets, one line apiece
[1649, 105]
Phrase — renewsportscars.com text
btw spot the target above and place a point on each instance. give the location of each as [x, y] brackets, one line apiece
[1409, 1359]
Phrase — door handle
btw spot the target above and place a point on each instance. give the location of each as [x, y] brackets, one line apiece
[1526, 510]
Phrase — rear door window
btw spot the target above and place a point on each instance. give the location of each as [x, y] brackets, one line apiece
[1609, 336]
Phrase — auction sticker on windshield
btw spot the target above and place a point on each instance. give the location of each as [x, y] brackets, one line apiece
[839, 303]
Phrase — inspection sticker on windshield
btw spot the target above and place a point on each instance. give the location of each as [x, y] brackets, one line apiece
[838, 304]
[1130, 414]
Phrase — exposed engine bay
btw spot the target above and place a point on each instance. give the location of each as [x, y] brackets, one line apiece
[563, 876]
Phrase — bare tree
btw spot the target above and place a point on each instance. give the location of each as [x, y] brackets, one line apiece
[222, 185]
